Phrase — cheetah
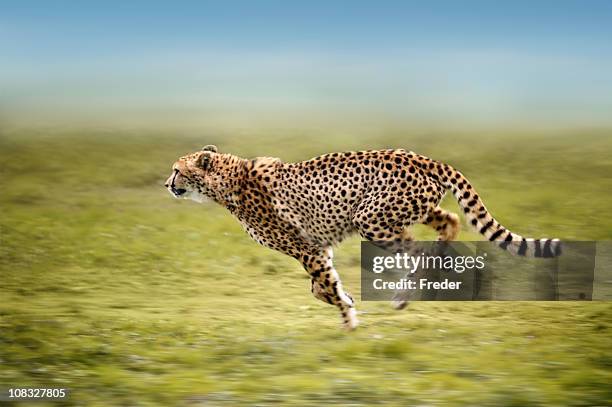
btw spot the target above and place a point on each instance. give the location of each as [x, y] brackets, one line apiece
[304, 209]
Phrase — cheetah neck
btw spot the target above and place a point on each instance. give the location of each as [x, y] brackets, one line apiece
[229, 180]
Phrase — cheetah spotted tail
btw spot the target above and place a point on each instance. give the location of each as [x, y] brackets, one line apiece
[479, 217]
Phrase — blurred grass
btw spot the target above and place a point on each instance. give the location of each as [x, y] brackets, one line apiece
[128, 297]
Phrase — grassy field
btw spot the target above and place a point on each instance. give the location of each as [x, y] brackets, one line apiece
[111, 288]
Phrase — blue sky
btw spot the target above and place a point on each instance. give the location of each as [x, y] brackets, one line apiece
[472, 61]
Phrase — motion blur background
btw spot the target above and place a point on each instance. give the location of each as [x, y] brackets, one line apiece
[115, 290]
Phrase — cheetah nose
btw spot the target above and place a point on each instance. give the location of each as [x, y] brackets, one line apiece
[166, 185]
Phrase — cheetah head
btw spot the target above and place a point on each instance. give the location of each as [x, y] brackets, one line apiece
[194, 176]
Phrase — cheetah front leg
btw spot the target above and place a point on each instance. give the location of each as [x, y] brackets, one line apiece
[326, 285]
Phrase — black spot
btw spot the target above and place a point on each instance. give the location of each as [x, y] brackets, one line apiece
[487, 226]
[538, 249]
[547, 251]
[523, 249]
[497, 234]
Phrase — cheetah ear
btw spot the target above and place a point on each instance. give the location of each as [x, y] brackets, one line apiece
[210, 147]
[204, 160]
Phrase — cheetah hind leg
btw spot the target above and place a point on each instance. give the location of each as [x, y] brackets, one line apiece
[447, 225]
[399, 300]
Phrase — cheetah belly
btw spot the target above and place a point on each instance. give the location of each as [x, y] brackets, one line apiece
[328, 234]
[322, 227]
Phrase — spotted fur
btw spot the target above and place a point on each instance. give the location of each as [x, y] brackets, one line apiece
[303, 209]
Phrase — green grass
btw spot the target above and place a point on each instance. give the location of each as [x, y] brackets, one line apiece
[115, 290]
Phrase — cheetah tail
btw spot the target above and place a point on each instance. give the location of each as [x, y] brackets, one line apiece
[479, 217]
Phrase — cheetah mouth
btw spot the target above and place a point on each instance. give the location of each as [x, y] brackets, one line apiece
[178, 192]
